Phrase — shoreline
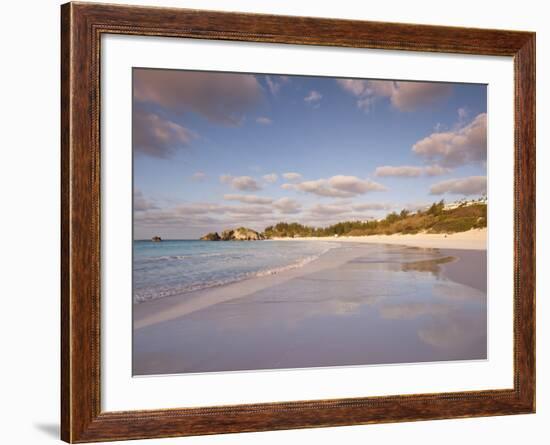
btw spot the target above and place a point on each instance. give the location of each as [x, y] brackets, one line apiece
[338, 299]
[154, 311]
[475, 239]
[151, 312]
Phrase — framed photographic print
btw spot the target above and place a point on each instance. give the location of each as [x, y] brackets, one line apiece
[279, 222]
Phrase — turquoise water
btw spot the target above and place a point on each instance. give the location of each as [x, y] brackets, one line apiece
[175, 267]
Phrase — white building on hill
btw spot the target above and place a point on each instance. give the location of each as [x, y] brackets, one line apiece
[465, 202]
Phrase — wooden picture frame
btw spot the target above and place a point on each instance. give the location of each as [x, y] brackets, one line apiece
[82, 25]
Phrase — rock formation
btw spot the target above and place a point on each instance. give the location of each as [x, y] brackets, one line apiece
[244, 234]
[240, 234]
[156, 239]
[212, 236]
[227, 235]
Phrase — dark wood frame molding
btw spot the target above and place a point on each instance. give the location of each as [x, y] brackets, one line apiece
[82, 25]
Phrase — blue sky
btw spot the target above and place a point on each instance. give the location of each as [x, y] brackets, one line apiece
[220, 150]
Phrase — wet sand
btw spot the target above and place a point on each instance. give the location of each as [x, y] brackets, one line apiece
[358, 304]
[470, 270]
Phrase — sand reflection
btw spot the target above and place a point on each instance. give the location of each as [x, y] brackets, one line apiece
[378, 304]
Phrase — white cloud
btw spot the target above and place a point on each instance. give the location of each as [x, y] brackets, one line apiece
[287, 186]
[274, 83]
[402, 170]
[462, 146]
[338, 186]
[408, 96]
[463, 113]
[473, 185]
[264, 120]
[439, 127]
[287, 205]
[171, 218]
[220, 97]
[246, 183]
[411, 171]
[141, 203]
[403, 95]
[354, 185]
[292, 177]
[198, 208]
[198, 218]
[198, 176]
[248, 199]
[158, 137]
[270, 178]
[328, 209]
[313, 97]
[436, 170]
[249, 210]
[357, 87]
[319, 187]
[206, 208]
[372, 206]
[339, 211]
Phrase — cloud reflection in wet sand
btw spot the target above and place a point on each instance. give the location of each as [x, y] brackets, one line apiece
[386, 304]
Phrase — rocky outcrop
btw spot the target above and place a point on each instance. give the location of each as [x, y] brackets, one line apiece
[156, 239]
[212, 236]
[227, 235]
[240, 234]
[244, 234]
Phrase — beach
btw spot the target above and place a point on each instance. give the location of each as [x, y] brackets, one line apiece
[364, 301]
[475, 239]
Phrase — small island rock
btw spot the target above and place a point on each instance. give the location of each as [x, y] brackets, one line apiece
[156, 239]
[240, 234]
[212, 236]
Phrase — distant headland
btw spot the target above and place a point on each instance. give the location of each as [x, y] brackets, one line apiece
[460, 216]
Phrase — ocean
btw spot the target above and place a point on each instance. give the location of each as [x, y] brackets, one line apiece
[358, 304]
[175, 267]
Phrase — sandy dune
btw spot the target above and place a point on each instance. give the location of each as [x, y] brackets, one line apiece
[471, 240]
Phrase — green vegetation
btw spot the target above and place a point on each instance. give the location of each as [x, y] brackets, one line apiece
[436, 219]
